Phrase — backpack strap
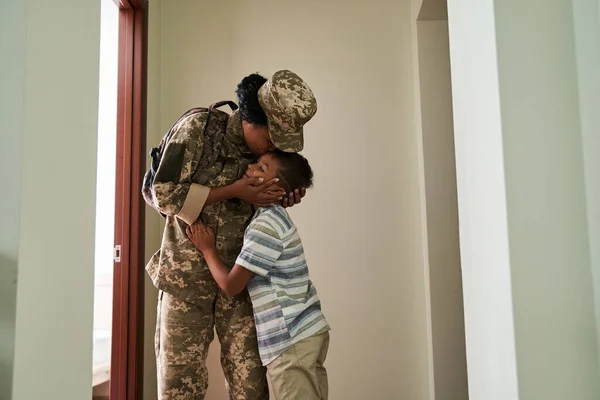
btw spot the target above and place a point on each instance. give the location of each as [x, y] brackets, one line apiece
[219, 104]
[169, 133]
[214, 132]
[156, 152]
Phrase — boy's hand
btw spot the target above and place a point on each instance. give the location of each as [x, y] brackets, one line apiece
[293, 198]
[254, 191]
[202, 236]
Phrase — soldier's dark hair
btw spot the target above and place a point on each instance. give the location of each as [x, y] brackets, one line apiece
[294, 171]
[247, 93]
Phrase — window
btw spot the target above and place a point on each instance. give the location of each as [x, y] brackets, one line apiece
[120, 220]
[105, 193]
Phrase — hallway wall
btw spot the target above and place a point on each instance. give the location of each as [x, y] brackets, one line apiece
[549, 243]
[527, 271]
[154, 223]
[442, 247]
[586, 14]
[55, 117]
[361, 224]
[12, 70]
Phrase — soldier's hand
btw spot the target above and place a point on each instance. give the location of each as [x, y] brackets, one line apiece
[258, 192]
[202, 236]
[293, 198]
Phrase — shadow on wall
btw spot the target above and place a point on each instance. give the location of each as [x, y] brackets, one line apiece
[8, 305]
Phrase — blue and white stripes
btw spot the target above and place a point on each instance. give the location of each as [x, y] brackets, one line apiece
[286, 306]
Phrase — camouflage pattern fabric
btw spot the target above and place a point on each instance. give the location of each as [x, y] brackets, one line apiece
[183, 334]
[178, 267]
[289, 103]
[192, 304]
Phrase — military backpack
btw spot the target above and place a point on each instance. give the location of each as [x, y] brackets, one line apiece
[213, 138]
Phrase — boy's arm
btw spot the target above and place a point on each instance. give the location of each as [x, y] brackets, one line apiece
[255, 258]
[231, 281]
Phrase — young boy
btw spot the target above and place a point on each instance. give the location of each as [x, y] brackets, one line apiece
[293, 335]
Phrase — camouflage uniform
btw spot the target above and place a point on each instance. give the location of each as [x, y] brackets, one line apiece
[190, 303]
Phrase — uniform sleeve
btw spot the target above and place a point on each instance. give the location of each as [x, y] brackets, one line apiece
[174, 192]
[262, 248]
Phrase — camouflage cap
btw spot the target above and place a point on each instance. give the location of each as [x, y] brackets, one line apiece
[289, 104]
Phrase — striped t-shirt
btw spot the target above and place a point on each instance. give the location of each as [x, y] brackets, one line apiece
[286, 306]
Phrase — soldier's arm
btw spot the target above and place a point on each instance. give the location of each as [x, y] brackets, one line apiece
[174, 191]
[222, 193]
[252, 190]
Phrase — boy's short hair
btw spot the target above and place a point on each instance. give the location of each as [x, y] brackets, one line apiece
[294, 171]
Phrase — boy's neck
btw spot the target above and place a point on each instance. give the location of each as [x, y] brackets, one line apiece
[273, 207]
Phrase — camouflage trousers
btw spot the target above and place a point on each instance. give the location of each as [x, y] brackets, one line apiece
[184, 332]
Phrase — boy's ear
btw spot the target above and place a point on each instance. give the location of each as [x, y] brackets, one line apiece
[276, 191]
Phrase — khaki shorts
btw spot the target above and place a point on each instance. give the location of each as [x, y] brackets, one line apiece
[299, 373]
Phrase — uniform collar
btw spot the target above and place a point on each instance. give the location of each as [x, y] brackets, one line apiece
[235, 133]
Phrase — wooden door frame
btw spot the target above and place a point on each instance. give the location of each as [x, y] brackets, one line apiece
[128, 283]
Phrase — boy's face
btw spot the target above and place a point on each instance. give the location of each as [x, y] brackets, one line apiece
[266, 167]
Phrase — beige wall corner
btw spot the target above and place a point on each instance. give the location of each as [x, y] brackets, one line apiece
[155, 131]
[363, 245]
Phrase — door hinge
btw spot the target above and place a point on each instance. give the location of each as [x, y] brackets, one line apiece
[117, 253]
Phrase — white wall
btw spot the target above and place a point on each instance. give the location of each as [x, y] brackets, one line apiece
[522, 201]
[487, 287]
[12, 70]
[357, 57]
[586, 15]
[53, 346]
[548, 237]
